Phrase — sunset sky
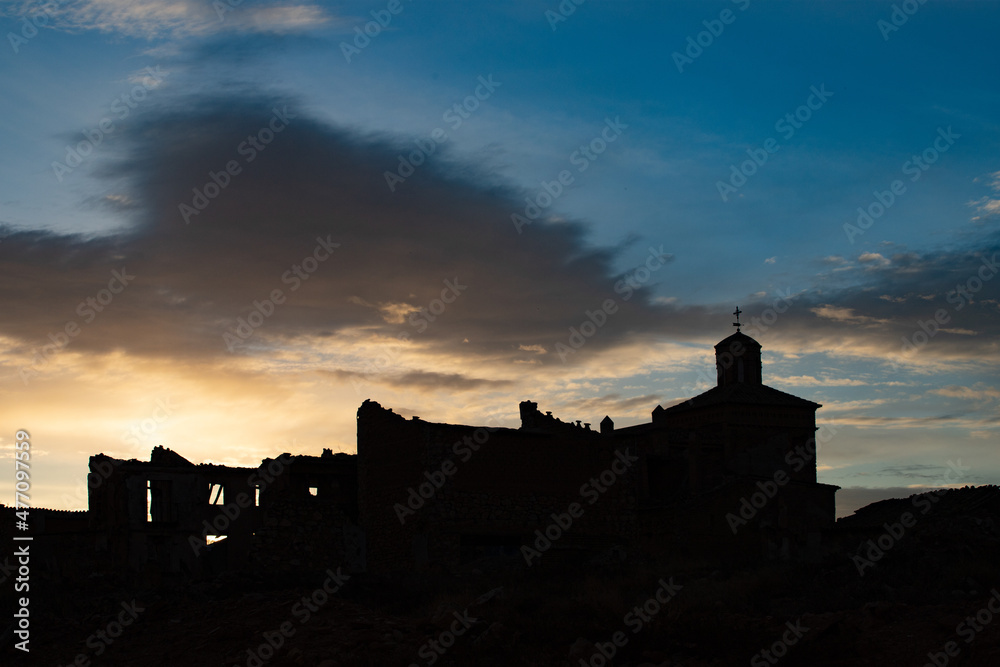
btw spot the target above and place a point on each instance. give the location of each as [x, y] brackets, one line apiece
[436, 203]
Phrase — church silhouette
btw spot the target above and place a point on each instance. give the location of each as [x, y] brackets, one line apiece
[729, 473]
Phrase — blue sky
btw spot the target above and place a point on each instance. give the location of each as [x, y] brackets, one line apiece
[182, 86]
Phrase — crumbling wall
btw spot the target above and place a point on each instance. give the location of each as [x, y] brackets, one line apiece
[310, 516]
[306, 534]
[429, 489]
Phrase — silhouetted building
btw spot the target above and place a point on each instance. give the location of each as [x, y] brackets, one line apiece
[168, 516]
[730, 473]
[727, 473]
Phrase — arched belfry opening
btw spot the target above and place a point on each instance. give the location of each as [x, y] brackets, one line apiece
[737, 358]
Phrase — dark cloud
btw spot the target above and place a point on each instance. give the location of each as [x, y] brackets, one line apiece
[930, 421]
[449, 381]
[914, 471]
[445, 234]
[441, 236]
[422, 380]
[880, 300]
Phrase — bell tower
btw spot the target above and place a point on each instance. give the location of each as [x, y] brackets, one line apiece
[737, 358]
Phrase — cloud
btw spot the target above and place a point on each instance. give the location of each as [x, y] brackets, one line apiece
[852, 406]
[422, 380]
[988, 205]
[840, 314]
[985, 206]
[979, 392]
[872, 257]
[914, 471]
[868, 311]
[435, 268]
[154, 19]
[965, 420]
[810, 381]
[437, 264]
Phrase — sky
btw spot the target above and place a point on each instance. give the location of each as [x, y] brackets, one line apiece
[224, 225]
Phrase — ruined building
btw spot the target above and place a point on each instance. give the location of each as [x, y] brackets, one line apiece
[168, 516]
[730, 471]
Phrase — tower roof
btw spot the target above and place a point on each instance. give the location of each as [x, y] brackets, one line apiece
[737, 358]
[740, 337]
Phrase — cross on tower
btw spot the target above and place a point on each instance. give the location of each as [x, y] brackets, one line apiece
[737, 322]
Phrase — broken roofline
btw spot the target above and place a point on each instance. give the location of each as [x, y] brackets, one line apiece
[165, 458]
